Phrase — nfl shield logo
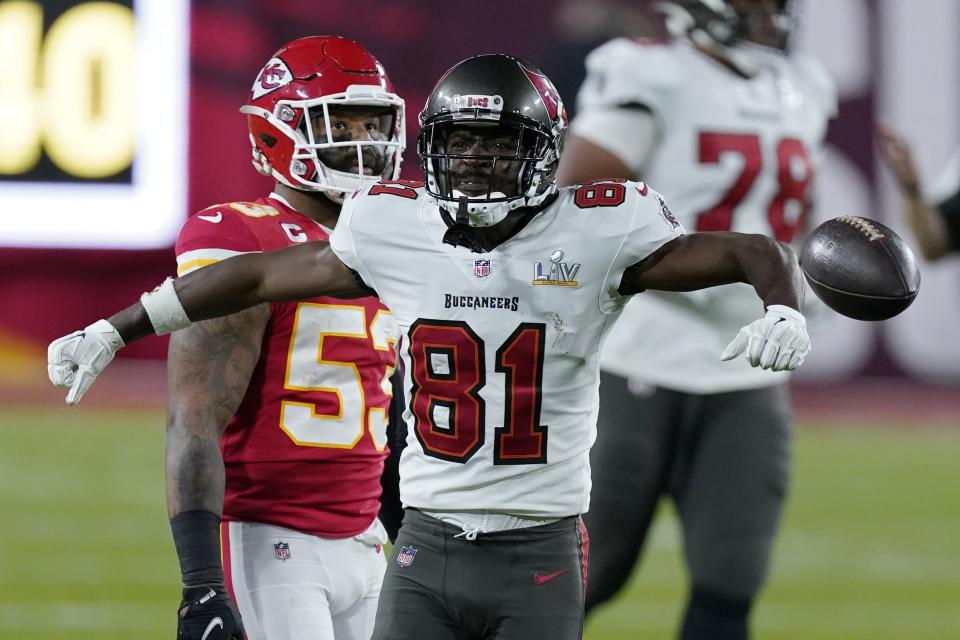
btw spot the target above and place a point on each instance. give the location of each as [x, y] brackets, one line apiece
[281, 550]
[406, 556]
[481, 268]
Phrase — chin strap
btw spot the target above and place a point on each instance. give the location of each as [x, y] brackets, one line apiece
[336, 196]
[459, 233]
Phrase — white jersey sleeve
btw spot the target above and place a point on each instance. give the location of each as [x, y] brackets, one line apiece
[652, 226]
[343, 240]
[820, 86]
[628, 83]
[628, 134]
[625, 72]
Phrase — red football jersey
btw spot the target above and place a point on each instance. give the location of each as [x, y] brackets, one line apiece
[306, 448]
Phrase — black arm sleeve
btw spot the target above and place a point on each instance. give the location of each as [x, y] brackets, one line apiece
[635, 106]
[950, 210]
[391, 509]
[196, 535]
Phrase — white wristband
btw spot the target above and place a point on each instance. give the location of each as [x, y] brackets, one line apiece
[164, 309]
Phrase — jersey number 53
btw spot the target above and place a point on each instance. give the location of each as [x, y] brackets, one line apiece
[345, 415]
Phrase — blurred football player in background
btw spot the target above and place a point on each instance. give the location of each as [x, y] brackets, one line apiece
[504, 287]
[277, 414]
[934, 221]
[722, 120]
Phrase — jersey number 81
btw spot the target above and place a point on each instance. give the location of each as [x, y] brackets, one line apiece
[448, 370]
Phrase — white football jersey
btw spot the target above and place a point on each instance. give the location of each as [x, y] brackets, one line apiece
[731, 154]
[501, 349]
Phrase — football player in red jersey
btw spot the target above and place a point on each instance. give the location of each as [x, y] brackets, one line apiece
[277, 415]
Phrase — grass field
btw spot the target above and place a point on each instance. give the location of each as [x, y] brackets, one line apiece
[870, 547]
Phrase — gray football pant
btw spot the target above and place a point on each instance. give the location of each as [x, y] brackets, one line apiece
[723, 458]
[525, 584]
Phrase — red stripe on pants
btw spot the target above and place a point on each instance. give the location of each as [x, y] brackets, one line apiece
[584, 536]
[225, 558]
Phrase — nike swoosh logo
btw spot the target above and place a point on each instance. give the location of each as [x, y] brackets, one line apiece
[214, 219]
[542, 578]
[216, 622]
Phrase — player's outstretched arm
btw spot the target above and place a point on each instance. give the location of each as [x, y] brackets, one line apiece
[777, 341]
[701, 260]
[294, 273]
[924, 219]
[304, 271]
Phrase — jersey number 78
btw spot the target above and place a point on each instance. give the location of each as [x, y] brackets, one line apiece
[790, 154]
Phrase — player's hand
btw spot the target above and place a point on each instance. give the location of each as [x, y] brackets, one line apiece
[896, 154]
[208, 613]
[75, 361]
[777, 341]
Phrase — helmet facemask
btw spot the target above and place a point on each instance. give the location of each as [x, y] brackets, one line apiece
[764, 23]
[490, 138]
[487, 169]
[327, 155]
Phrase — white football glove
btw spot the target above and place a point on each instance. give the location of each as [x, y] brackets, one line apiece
[76, 360]
[777, 341]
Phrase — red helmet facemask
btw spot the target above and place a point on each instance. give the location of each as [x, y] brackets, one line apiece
[296, 97]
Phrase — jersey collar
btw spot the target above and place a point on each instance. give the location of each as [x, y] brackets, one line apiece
[276, 196]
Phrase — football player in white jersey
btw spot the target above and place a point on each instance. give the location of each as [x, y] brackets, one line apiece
[504, 288]
[728, 125]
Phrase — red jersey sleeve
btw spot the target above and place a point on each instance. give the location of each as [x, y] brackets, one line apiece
[212, 235]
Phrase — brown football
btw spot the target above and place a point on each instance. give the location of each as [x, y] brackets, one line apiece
[860, 268]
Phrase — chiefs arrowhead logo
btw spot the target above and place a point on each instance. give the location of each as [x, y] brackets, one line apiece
[548, 94]
[274, 75]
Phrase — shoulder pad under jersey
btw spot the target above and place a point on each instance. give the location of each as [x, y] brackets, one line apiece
[815, 77]
[629, 71]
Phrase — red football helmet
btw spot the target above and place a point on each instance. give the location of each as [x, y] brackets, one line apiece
[303, 82]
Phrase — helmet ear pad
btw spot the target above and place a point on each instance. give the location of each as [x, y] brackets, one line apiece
[276, 147]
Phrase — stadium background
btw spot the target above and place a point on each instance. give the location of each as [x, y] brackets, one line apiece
[119, 118]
